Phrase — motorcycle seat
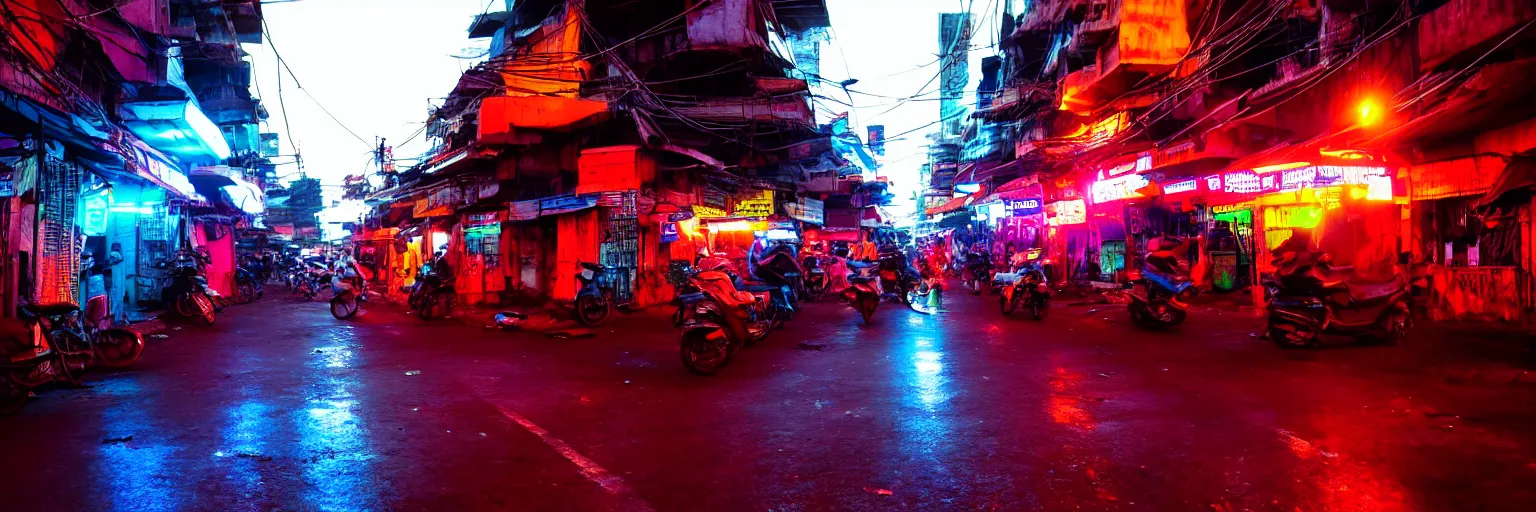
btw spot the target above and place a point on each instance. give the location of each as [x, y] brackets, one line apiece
[760, 288]
[1363, 291]
[54, 309]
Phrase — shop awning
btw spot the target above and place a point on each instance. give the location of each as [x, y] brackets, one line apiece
[955, 204]
[1519, 174]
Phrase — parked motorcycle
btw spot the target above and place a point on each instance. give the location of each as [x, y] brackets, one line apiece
[862, 293]
[594, 294]
[815, 277]
[187, 292]
[348, 297]
[1157, 298]
[778, 268]
[1028, 289]
[249, 283]
[722, 320]
[431, 296]
[978, 274]
[69, 345]
[1308, 301]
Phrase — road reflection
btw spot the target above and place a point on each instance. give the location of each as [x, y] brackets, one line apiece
[135, 471]
[925, 421]
[333, 440]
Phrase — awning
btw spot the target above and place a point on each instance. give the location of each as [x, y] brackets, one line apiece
[954, 204]
[1519, 174]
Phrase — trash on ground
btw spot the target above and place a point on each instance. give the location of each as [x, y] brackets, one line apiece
[159, 336]
[259, 457]
[116, 440]
[882, 492]
[572, 334]
[413, 372]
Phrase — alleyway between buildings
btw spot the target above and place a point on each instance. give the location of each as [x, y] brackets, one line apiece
[279, 406]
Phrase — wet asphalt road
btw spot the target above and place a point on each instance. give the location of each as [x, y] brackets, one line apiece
[280, 406]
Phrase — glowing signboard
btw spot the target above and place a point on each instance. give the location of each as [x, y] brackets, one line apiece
[1022, 207]
[1296, 178]
[1115, 189]
[1064, 213]
[1181, 186]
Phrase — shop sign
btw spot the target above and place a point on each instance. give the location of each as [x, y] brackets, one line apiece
[807, 210]
[679, 216]
[7, 181]
[1022, 207]
[759, 204]
[1178, 187]
[708, 212]
[566, 204]
[1229, 208]
[523, 210]
[668, 232]
[1066, 213]
[423, 208]
[482, 219]
[1115, 189]
[713, 199]
[611, 199]
[1312, 176]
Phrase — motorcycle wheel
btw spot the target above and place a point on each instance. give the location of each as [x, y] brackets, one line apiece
[1398, 324]
[247, 292]
[201, 307]
[1007, 306]
[117, 348]
[592, 310]
[1142, 318]
[1037, 309]
[867, 307]
[1291, 339]
[700, 355]
[13, 396]
[344, 307]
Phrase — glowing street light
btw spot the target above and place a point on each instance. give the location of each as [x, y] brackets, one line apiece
[1369, 113]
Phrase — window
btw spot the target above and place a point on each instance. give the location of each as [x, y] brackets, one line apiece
[484, 241]
[1456, 235]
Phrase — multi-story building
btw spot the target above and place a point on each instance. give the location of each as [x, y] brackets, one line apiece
[1384, 134]
[626, 133]
[136, 118]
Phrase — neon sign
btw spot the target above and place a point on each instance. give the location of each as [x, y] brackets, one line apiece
[1068, 212]
[1181, 186]
[1294, 178]
[1115, 189]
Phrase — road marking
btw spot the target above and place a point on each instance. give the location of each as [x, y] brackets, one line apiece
[589, 468]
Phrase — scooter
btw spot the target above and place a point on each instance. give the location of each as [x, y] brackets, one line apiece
[430, 297]
[863, 294]
[594, 295]
[348, 297]
[1157, 299]
[1308, 302]
[187, 293]
[69, 345]
[1026, 288]
[815, 277]
[722, 319]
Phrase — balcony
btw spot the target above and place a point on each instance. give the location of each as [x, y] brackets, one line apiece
[1141, 37]
[727, 25]
[1461, 30]
[501, 117]
[790, 109]
[798, 15]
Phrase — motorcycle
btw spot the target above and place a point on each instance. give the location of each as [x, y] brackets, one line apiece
[722, 320]
[249, 283]
[348, 297]
[187, 292]
[430, 297]
[862, 293]
[1026, 288]
[777, 268]
[978, 274]
[815, 277]
[69, 345]
[1308, 302]
[594, 294]
[1157, 299]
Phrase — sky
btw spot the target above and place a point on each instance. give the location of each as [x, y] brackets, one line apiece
[376, 66]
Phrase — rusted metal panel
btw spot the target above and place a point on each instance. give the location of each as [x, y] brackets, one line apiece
[1453, 178]
[725, 24]
[1463, 29]
[1477, 293]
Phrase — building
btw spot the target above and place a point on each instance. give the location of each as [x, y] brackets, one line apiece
[1386, 136]
[631, 134]
[126, 130]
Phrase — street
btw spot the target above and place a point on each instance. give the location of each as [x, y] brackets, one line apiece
[279, 406]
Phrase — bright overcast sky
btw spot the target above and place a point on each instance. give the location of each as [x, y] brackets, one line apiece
[376, 65]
